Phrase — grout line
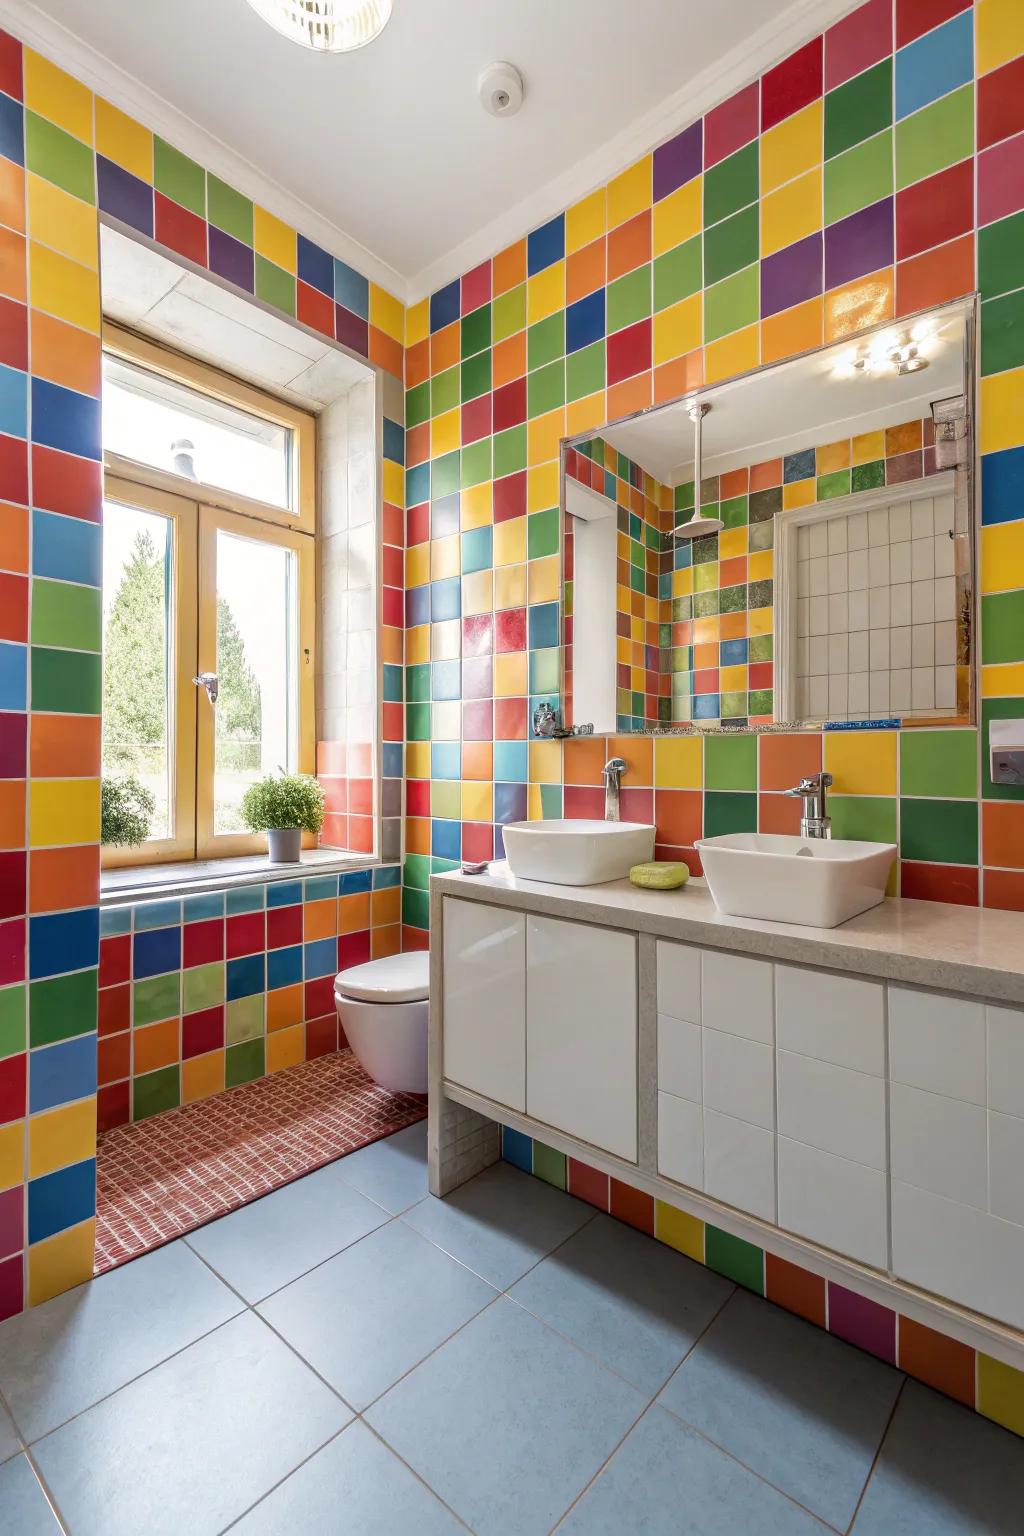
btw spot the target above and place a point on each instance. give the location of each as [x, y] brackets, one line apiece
[297, 1468]
[878, 1452]
[47, 1493]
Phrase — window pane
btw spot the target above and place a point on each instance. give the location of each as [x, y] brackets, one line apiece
[257, 706]
[156, 421]
[137, 565]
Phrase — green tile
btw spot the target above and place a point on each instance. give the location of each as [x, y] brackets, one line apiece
[733, 1257]
[446, 799]
[585, 371]
[508, 312]
[13, 1035]
[476, 330]
[476, 550]
[760, 701]
[178, 177]
[833, 485]
[732, 706]
[61, 1007]
[244, 1063]
[228, 209]
[509, 451]
[154, 1092]
[445, 475]
[476, 463]
[157, 997]
[544, 672]
[417, 722]
[203, 986]
[868, 477]
[868, 817]
[244, 1018]
[733, 512]
[56, 156]
[549, 1165]
[628, 299]
[858, 109]
[935, 137]
[551, 801]
[417, 683]
[1002, 628]
[940, 831]
[731, 184]
[417, 404]
[730, 762]
[445, 391]
[476, 376]
[542, 533]
[729, 812]
[760, 648]
[415, 908]
[731, 245]
[545, 389]
[732, 304]
[998, 709]
[678, 273]
[64, 614]
[761, 535]
[1002, 332]
[65, 682]
[999, 256]
[858, 177]
[277, 287]
[940, 763]
[545, 341]
[417, 871]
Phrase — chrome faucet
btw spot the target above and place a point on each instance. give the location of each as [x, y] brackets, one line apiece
[612, 773]
[814, 820]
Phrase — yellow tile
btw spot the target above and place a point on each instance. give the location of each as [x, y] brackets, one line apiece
[61, 221]
[274, 239]
[679, 1230]
[12, 1154]
[417, 322]
[545, 579]
[476, 507]
[1000, 33]
[586, 220]
[391, 651]
[477, 800]
[510, 541]
[1002, 557]
[759, 565]
[542, 486]
[202, 1076]
[445, 433]
[682, 582]
[545, 292]
[476, 593]
[417, 565]
[732, 542]
[833, 456]
[791, 213]
[734, 354]
[678, 330]
[678, 217]
[1003, 682]
[861, 762]
[510, 675]
[394, 483]
[63, 811]
[286, 1048]
[61, 1261]
[387, 313]
[583, 415]
[632, 192]
[64, 288]
[544, 439]
[1002, 411]
[444, 558]
[678, 762]
[792, 147]
[509, 587]
[417, 640]
[799, 493]
[545, 762]
[867, 447]
[61, 1136]
[534, 803]
[733, 679]
[57, 96]
[1001, 1390]
[417, 759]
[759, 621]
[121, 139]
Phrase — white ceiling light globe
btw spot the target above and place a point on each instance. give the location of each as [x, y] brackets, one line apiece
[326, 26]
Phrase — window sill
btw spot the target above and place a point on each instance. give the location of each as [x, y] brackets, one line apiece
[152, 882]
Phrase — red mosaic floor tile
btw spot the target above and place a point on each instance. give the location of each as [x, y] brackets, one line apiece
[160, 1178]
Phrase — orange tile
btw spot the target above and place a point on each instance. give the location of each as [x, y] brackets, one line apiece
[354, 912]
[629, 246]
[764, 477]
[286, 1048]
[65, 355]
[509, 359]
[60, 878]
[856, 306]
[65, 746]
[385, 907]
[445, 347]
[12, 196]
[13, 278]
[638, 753]
[14, 523]
[417, 834]
[941, 1362]
[508, 268]
[678, 816]
[733, 626]
[631, 395]
[793, 331]
[705, 655]
[795, 1288]
[1002, 833]
[586, 270]
[284, 1007]
[12, 813]
[417, 363]
[731, 573]
[155, 1045]
[936, 276]
[735, 483]
[386, 352]
[678, 377]
[583, 757]
[833, 456]
[385, 941]
[202, 1076]
[631, 1205]
[902, 439]
[784, 760]
[1004, 889]
[114, 1058]
[319, 920]
[477, 760]
[778, 814]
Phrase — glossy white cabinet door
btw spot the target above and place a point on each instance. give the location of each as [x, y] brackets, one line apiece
[581, 1040]
[485, 1000]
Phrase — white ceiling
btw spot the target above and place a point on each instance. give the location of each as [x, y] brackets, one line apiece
[386, 154]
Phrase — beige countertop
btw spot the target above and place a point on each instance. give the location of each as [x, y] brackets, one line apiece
[969, 950]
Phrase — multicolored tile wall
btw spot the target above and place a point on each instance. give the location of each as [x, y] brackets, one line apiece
[66, 157]
[877, 171]
[969, 1376]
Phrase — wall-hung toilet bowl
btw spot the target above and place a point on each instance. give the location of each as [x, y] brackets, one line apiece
[383, 1008]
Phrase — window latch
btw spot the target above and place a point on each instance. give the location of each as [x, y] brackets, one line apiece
[208, 680]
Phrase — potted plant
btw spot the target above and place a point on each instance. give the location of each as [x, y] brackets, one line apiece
[126, 812]
[284, 806]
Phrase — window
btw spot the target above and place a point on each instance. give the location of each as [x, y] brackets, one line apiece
[208, 594]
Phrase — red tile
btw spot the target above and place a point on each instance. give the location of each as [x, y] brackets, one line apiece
[915, 17]
[393, 607]
[678, 816]
[510, 405]
[476, 419]
[113, 1107]
[314, 308]
[202, 1032]
[12, 1088]
[476, 287]
[1001, 180]
[318, 996]
[1001, 103]
[629, 352]
[322, 1036]
[14, 470]
[417, 524]
[185, 233]
[360, 797]
[583, 802]
[13, 883]
[935, 276]
[13, 334]
[941, 1362]
[935, 210]
[1004, 889]
[778, 814]
[731, 125]
[477, 840]
[417, 797]
[10, 66]
[510, 496]
[13, 607]
[353, 949]
[114, 1057]
[957, 883]
[858, 41]
[510, 719]
[478, 635]
[63, 483]
[587, 1184]
[115, 959]
[760, 674]
[632, 1206]
[12, 1219]
[115, 1009]
[13, 939]
[793, 84]
[284, 926]
[764, 477]
[637, 805]
[795, 1288]
[510, 630]
[203, 942]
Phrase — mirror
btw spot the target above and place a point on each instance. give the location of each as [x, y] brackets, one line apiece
[823, 574]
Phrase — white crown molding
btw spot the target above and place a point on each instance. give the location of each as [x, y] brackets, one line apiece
[32, 26]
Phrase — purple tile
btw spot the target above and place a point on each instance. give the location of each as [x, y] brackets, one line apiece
[351, 331]
[860, 244]
[906, 466]
[124, 195]
[13, 737]
[509, 802]
[231, 259]
[862, 1322]
[679, 160]
[792, 275]
[476, 677]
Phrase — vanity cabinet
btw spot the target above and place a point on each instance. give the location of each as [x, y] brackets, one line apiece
[485, 1000]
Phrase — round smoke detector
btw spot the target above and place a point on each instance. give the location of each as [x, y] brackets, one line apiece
[501, 90]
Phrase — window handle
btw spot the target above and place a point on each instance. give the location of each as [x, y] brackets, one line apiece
[208, 680]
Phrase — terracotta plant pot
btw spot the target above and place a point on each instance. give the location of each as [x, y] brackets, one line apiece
[284, 845]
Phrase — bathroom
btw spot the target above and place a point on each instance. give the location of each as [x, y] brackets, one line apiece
[702, 1210]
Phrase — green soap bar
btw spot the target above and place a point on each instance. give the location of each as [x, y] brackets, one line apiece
[659, 877]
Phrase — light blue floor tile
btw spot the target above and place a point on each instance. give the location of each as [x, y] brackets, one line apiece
[507, 1421]
[64, 1356]
[668, 1481]
[500, 1223]
[9, 1442]
[190, 1446]
[634, 1303]
[798, 1406]
[353, 1487]
[393, 1171]
[24, 1507]
[944, 1471]
[369, 1315]
[275, 1240]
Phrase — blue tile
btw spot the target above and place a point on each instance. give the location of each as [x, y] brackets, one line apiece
[445, 600]
[1002, 485]
[246, 976]
[124, 196]
[543, 626]
[444, 517]
[545, 245]
[25, 1505]
[417, 484]
[394, 441]
[392, 684]
[320, 958]
[798, 466]
[509, 803]
[391, 760]
[511, 760]
[732, 653]
[584, 321]
[706, 706]
[284, 966]
[446, 680]
[417, 606]
[13, 402]
[246, 898]
[67, 548]
[66, 420]
[445, 305]
[156, 952]
[60, 1073]
[517, 1149]
[115, 921]
[320, 887]
[446, 839]
[386, 876]
[61, 1199]
[59, 942]
[157, 914]
[315, 266]
[445, 760]
[284, 893]
[12, 130]
[208, 904]
[351, 289]
[935, 64]
[356, 880]
[13, 675]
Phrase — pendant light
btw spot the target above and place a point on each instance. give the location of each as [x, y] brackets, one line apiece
[326, 26]
[697, 526]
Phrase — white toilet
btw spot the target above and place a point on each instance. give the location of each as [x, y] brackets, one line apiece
[383, 1008]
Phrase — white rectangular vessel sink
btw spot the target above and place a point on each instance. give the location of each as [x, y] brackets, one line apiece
[577, 852]
[819, 882]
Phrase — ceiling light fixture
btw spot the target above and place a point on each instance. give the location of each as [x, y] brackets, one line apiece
[882, 353]
[326, 26]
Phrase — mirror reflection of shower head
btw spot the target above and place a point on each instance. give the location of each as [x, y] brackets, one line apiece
[697, 526]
